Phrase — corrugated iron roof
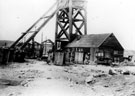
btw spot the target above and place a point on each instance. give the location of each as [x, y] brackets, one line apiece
[92, 40]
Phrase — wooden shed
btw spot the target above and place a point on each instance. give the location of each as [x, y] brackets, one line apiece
[100, 48]
[47, 46]
[47, 49]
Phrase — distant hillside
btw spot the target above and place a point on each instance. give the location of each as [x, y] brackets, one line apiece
[6, 43]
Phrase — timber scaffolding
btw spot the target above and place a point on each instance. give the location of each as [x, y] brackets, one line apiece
[70, 22]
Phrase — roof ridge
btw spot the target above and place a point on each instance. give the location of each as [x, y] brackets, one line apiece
[93, 40]
[99, 34]
[105, 39]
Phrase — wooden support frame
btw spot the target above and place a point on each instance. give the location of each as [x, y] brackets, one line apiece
[29, 30]
[63, 29]
[70, 20]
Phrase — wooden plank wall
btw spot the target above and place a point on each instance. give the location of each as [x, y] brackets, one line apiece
[67, 58]
[93, 54]
[59, 58]
[79, 57]
[1, 56]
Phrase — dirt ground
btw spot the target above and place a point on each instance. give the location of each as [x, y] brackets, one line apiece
[37, 78]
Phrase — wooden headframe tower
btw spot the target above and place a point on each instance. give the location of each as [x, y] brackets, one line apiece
[71, 21]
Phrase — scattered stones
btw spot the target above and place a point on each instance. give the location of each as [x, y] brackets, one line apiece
[25, 85]
[65, 70]
[133, 73]
[21, 71]
[106, 86]
[9, 82]
[77, 75]
[85, 74]
[71, 85]
[14, 94]
[111, 72]
[31, 77]
[50, 69]
[126, 73]
[48, 78]
[118, 71]
[90, 80]
[11, 94]
[100, 75]
[77, 82]
[19, 76]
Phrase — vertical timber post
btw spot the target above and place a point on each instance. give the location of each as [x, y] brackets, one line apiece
[85, 22]
[33, 48]
[70, 20]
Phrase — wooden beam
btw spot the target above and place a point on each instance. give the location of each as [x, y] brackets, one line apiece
[81, 25]
[63, 18]
[70, 19]
[61, 32]
[77, 20]
[63, 39]
[85, 22]
[31, 27]
[81, 14]
[56, 32]
[38, 29]
[62, 15]
[78, 30]
[65, 12]
[76, 13]
[65, 32]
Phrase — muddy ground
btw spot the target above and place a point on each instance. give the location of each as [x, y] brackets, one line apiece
[37, 78]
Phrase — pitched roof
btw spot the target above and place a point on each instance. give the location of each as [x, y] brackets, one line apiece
[92, 40]
[48, 41]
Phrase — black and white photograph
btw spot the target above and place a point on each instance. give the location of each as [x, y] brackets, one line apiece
[67, 47]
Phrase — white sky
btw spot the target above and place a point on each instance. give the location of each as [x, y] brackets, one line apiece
[104, 16]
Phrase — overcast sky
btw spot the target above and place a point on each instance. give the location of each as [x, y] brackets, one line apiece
[104, 16]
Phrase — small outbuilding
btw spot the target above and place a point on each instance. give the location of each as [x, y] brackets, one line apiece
[47, 49]
[99, 48]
